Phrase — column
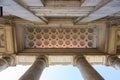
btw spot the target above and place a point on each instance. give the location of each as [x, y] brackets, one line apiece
[87, 71]
[35, 71]
[114, 61]
[5, 62]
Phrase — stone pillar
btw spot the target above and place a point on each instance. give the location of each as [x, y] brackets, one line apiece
[114, 61]
[5, 62]
[35, 71]
[87, 71]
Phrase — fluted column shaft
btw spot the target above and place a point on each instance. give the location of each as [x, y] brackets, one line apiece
[5, 62]
[87, 71]
[35, 71]
[114, 61]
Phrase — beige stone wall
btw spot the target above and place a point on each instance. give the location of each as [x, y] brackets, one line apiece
[6, 39]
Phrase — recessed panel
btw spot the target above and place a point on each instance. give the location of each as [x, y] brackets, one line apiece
[2, 38]
[60, 37]
[62, 3]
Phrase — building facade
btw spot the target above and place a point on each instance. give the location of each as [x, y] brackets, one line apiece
[51, 32]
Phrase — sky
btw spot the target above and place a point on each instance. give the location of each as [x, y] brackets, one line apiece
[59, 72]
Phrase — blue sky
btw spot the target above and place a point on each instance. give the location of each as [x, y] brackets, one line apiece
[60, 73]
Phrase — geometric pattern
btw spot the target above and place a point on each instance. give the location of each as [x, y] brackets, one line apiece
[60, 37]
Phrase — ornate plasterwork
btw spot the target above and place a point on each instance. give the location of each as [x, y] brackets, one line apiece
[118, 40]
[114, 21]
[2, 38]
[60, 37]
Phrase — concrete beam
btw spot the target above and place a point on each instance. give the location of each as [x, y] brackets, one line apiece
[13, 8]
[61, 11]
[27, 3]
[98, 4]
[91, 2]
[110, 8]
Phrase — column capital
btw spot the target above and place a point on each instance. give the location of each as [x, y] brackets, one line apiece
[6, 61]
[76, 58]
[112, 59]
[43, 58]
[11, 59]
[87, 71]
[35, 71]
